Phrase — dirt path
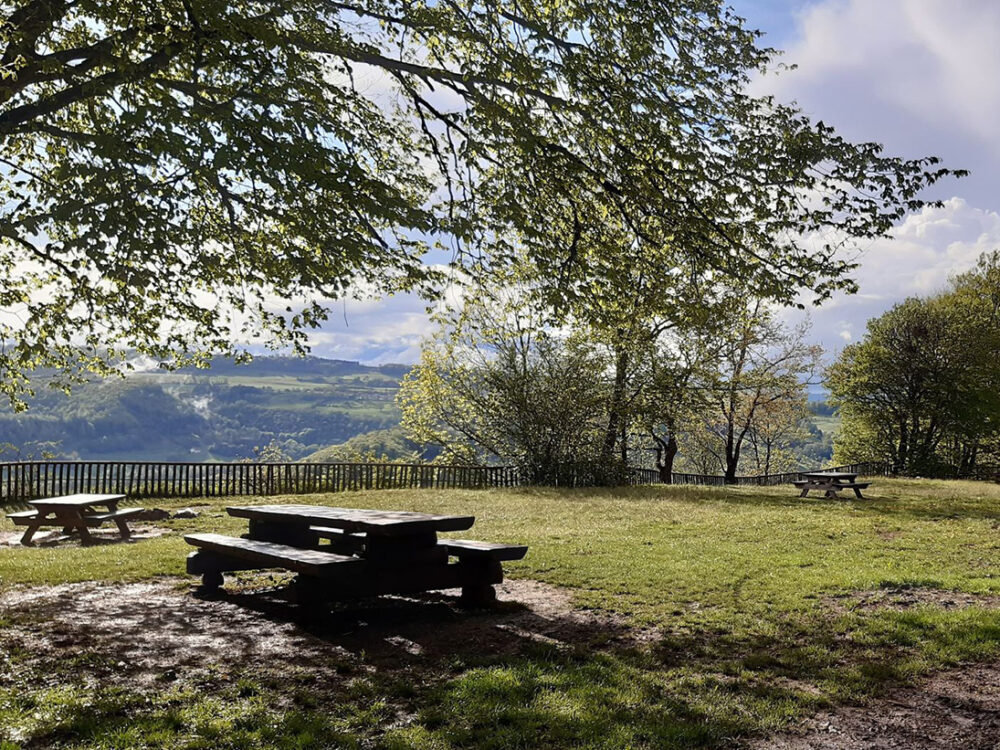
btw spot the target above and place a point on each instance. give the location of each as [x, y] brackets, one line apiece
[147, 632]
[151, 633]
[958, 709]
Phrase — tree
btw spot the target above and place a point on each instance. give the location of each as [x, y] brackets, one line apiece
[775, 427]
[922, 389]
[763, 369]
[673, 390]
[493, 385]
[900, 380]
[174, 171]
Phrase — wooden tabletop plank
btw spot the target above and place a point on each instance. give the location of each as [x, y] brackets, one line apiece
[75, 501]
[829, 475]
[385, 522]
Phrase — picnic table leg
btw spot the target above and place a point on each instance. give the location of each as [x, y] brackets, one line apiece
[857, 493]
[76, 520]
[85, 537]
[29, 533]
[479, 595]
[123, 528]
[478, 590]
[211, 581]
[805, 492]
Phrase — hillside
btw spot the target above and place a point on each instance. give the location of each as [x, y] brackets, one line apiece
[222, 413]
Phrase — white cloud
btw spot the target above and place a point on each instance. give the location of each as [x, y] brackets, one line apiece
[918, 76]
[923, 254]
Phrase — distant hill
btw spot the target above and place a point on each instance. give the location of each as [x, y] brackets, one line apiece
[390, 445]
[222, 413]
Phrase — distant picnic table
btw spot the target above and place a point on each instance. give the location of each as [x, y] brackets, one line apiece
[346, 552]
[75, 513]
[831, 483]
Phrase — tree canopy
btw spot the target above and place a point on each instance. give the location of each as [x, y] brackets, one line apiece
[922, 389]
[169, 169]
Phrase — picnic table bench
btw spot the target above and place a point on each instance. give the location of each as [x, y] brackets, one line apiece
[344, 552]
[74, 512]
[831, 483]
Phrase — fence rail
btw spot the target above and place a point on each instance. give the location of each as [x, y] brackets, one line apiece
[27, 480]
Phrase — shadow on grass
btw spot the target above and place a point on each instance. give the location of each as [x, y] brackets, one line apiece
[140, 665]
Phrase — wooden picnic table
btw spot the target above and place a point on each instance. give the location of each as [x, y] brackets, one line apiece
[347, 552]
[830, 483]
[74, 513]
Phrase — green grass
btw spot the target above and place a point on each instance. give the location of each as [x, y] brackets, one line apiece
[738, 584]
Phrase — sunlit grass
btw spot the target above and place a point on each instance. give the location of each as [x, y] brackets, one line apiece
[738, 582]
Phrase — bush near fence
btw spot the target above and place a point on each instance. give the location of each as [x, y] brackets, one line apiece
[27, 480]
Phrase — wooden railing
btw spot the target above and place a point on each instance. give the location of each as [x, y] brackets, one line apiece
[26, 480]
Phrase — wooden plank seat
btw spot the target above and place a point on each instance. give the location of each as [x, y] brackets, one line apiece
[96, 519]
[271, 555]
[466, 548]
[803, 483]
[347, 543]
[26, 517]
[23, 517]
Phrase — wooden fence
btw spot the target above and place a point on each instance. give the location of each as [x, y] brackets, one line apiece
[26, 480]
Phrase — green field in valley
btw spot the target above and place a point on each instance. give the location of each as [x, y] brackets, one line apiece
[224, 413]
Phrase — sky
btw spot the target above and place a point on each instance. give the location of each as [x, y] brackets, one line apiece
[919, 76]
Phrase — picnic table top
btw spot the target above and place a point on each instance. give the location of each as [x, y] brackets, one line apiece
[385, 522]
[830, 475]
[76, 501]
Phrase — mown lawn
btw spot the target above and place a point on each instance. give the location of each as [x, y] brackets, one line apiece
[748, 592]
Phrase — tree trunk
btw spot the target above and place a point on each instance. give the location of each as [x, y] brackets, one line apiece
[616, 409]
[732, 463]
[666, 451]
[902, 450]
[733, 447]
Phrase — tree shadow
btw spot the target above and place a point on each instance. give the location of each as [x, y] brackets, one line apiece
[422, 671]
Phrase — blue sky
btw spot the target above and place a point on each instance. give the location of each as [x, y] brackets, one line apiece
[919, 76]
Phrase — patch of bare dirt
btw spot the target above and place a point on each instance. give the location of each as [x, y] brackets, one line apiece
[109, 535]
[955, 709]
[908, 597]
[143, 633]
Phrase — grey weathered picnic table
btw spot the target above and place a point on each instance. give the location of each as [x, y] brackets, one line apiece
[830, 483]
[347, 552]
[74, 512]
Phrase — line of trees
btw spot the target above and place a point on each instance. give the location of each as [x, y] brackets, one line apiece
[923, 387]
[719, 390]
